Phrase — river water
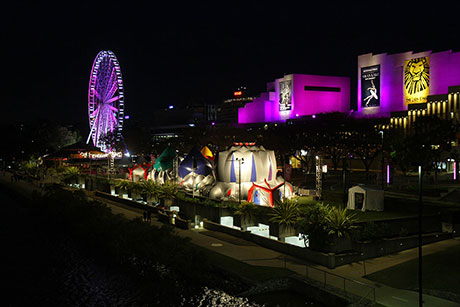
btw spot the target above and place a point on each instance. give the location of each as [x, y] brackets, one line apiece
[43, 268]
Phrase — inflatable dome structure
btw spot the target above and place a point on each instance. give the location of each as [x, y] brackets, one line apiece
[248, 172]
[162, 170]
[196, 171]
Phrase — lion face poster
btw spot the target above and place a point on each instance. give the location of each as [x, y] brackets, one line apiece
[416, 80]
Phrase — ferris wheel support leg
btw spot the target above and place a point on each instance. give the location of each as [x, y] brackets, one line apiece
[90, 133]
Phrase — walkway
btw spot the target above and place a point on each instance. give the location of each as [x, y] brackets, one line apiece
[253, 254]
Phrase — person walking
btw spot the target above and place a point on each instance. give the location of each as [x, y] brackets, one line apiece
[149, 216]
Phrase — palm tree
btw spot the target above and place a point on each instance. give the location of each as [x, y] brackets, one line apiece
[168, 192]
[286, 213]
[123, 185]
[134, 188]
[71, 175]
[151, 190]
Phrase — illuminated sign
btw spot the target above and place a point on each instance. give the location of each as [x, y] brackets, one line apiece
[237, 93]
[416, 80]
[100, 155]
[285, 95]
[370, 86]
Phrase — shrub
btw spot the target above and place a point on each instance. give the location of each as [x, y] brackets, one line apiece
[247, 210]
[122, 185]
[150, 189]
[231, 204]
[70, 174]
[168, 190]
[339, 223]
[314, 221]
[285, 212]
[403, 232]
[369, 231]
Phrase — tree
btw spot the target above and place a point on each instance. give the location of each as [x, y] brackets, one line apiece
[430, 136]
[151, 189]
[400, 150]
[71, 174]
[366, 142]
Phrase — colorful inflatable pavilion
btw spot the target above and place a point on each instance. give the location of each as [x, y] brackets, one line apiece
[205, 151]
[252, 170]
[196, 171]
[162, 170]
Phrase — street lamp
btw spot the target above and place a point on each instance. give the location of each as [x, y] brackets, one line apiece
[240, 161]
[319, 178]
[383, 163]
[420, 212]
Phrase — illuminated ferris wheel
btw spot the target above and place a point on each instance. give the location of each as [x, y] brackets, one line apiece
[105, 100]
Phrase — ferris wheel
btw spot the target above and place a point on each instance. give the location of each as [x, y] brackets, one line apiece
[105, 100]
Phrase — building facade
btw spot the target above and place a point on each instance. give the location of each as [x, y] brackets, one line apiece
[297, 95]
[396, 82]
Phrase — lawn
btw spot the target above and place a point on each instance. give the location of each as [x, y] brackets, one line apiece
[394, 208]
[440, 272]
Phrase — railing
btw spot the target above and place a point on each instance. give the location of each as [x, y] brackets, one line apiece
[322, 278]
[327, 278]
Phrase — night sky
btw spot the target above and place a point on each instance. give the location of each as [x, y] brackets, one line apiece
[197, 52]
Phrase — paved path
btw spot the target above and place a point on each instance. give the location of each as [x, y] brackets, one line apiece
[253, 254]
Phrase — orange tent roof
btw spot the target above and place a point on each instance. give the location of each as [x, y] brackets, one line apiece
[207, 153]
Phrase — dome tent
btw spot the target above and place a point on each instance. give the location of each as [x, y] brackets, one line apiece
[207, 153]
[195, 162]
[361, 197]
[166, 160]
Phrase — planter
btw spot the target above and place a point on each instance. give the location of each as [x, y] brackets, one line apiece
[122, 194]
[168, 202]
[152, 201]
[330, 244]
[247, 222]
[285, 231]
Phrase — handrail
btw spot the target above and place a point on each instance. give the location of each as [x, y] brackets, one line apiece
[372, 289]
[355, 281]
[345, 279]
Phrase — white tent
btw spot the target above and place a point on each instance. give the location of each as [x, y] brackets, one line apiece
[364, 198]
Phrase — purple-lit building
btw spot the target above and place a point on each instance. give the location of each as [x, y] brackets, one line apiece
[298, 95]
[393, 82]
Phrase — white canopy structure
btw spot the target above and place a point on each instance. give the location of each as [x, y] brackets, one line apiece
[365, 198]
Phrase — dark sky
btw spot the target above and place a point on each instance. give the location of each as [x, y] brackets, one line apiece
[178, 53]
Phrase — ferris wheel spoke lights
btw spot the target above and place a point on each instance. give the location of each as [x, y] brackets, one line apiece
[105, 100]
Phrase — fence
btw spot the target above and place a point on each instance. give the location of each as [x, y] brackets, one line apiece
[323, 278]
[349, 286]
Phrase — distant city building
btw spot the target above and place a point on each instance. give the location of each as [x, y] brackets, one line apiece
[190, 114]
[297, 95]
[228, 111]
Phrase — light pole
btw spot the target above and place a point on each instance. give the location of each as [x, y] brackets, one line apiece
[319, 178]
[383, 163]
[240, 161]
[420, 211]
[284, 174]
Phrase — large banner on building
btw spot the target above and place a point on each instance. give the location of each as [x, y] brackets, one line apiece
[285, 88]
[416, 80]
[370, 86]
